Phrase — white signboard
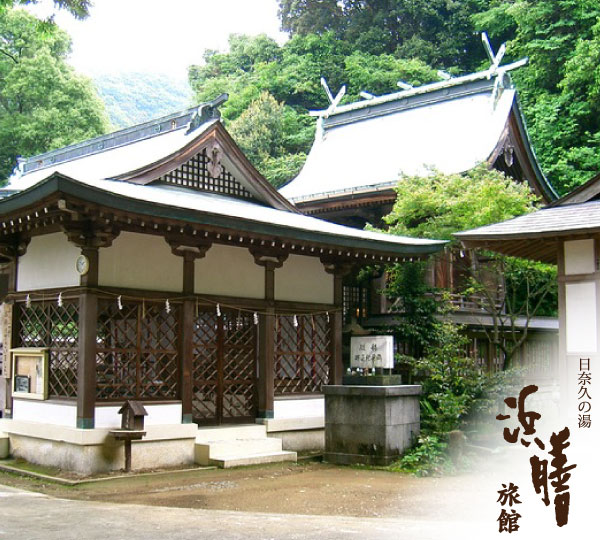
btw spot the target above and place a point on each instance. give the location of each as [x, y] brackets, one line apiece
[372, 352]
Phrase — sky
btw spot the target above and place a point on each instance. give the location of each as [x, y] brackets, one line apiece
[159, 36]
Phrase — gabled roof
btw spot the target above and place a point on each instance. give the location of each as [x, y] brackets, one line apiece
[146, 153]
[451, 126]
[590, 191]
[180, 173]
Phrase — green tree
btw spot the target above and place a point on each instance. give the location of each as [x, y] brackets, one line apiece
[437, 32]
[558, 88]
[310, 16]
[438, 205]
[291, 75]
[512, 291]
[44, 104]
[77, 8]
[262, 131]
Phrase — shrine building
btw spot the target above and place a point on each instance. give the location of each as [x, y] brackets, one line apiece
[155, 264]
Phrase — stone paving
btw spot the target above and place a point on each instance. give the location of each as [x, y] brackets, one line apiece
[32, 516]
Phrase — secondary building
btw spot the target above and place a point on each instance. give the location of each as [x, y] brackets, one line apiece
[362, 149]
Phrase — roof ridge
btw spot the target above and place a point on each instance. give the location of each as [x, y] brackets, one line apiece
[191, 118]
[488, 74]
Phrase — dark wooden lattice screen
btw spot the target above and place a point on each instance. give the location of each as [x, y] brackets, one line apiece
[224, 367]
[46, 324]
[137, 351]
[302, 354]
[195, 174]
[206, 367]
[355, 300]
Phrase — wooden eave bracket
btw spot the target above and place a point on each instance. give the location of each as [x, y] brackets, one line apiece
[9, 251]
[188, 247]
[87, 234]
[336, 267]
[269, 258]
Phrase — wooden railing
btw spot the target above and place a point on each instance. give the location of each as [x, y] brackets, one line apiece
[472, 303]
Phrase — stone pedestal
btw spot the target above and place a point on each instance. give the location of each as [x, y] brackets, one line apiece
[370, 424]
[372, 380]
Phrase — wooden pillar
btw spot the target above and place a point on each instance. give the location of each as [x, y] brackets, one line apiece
[266, 333]
[88, 328]
[189, 249]
[266, 355]
[187, 360]
[90, 278]
[336, 366]
[187, 339]
[86, 372]
[10, 253]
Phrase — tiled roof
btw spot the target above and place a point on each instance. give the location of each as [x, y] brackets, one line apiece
[551, 221]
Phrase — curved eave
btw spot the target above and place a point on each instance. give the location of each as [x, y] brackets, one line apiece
[543, 185]
[58, 184]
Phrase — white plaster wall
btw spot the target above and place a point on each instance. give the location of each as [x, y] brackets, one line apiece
[298, 408]
[140, 261]
[581, 329]
[303, 279]
[168, 413]
[57, 414]
[49, 262]
[579, 257]
[229, 271]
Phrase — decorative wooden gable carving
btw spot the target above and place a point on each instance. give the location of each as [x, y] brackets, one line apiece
[212, 162]
[204, 173]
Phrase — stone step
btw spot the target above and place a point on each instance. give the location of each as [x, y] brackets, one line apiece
[207, 451]
[253, 459]
[229, 433]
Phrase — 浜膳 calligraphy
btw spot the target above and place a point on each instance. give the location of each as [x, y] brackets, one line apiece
[558, 475]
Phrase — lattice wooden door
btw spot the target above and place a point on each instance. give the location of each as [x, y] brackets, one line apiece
[225, 357]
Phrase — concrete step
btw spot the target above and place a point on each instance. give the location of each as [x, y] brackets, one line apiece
[243, 446]
[205, 452]
[253, 459]
[229, 433]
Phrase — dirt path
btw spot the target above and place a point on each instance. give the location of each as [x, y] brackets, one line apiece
[447, 507]
[306, 488]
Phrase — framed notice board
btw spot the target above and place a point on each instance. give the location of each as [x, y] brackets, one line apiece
[30, 373]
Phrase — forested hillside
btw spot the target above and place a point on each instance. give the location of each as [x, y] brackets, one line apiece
[132, 98]
[371, 44]
[367, 45]
[44, 103]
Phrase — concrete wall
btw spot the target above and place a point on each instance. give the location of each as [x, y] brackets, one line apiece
[89, 451]
[229, 271]
[299, 408]
[163, 414]
[57, 413]
[48, 412]
[140, 261]
[579, 320]
[49, 262]
[303, 279]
